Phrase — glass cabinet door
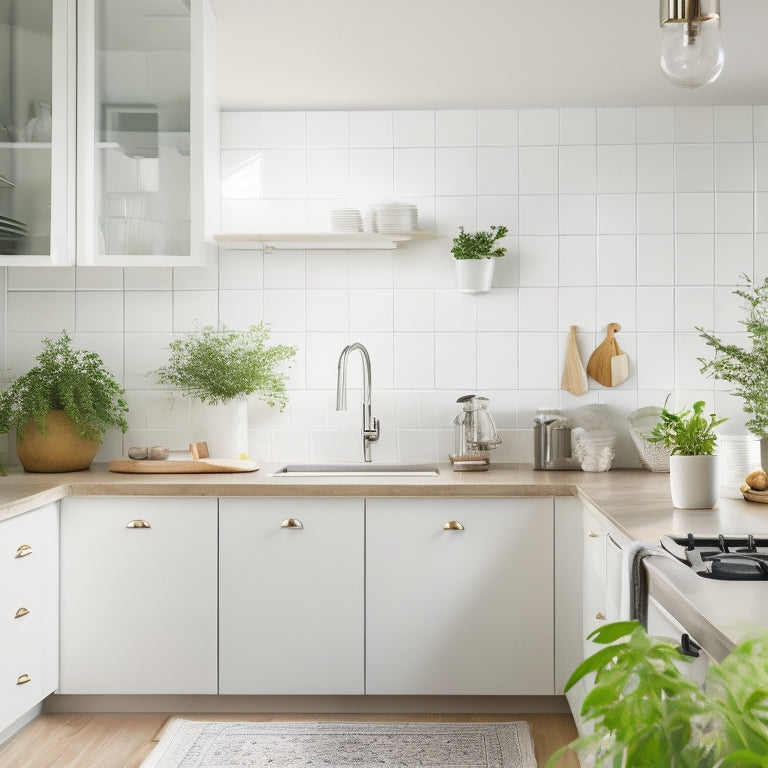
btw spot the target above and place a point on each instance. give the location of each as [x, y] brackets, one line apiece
[137, 131]
[36, 136]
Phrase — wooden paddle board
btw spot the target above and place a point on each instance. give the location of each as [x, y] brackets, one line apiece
[181, 466]
[574, 376]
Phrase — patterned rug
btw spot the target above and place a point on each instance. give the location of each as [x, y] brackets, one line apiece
[199, 744]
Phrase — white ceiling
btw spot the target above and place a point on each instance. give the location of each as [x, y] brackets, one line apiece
[358, 54]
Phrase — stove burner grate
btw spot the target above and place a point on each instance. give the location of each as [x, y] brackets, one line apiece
[735, 558]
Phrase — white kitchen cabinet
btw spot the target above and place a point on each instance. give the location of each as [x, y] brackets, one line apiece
[459, 596]
[602, 585]
[138, 595]
[37, 132]
[147, 132]
[291, 579]
[28, 611]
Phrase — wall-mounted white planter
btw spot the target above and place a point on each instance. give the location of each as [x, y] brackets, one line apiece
[694, 481]
[474, 275]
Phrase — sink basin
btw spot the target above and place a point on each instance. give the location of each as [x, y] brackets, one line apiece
[357, 470]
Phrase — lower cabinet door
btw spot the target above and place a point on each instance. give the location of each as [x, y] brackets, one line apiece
[459, 596]
[291, 581]
[138, 595]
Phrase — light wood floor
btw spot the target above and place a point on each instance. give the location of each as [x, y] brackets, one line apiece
[123, 741]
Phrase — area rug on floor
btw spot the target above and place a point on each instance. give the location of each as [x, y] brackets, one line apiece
[198, 744]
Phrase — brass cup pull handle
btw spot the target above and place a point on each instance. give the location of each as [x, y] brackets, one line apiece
[453, 525]
[292, 522]
[23, 551]
[600, 616]
[23, 679]
[138, 524]
[21, 612]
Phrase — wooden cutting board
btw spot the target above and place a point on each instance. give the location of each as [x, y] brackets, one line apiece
[608, 365]
[181, 466]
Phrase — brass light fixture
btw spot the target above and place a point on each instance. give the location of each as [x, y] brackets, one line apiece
[691, 52]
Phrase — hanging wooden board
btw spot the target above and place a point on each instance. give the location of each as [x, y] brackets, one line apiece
[608, 365]
[574, 376]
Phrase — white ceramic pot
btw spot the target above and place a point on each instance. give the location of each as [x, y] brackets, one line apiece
[226, 429]
[474, 275]
[694, 481]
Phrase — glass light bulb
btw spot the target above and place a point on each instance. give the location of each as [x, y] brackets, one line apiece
[691, 53]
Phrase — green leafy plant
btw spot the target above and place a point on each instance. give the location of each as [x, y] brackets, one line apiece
[478, 245]
[687, 432]
[65, 379]
[216, 366]
[746, 368]
[646, 712]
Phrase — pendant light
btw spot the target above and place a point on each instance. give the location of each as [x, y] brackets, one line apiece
[691, 51]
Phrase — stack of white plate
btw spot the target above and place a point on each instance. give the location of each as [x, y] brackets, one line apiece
[396, 217]
[346, 220]
[12, 234]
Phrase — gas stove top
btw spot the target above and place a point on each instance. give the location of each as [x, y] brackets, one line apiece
[733, 558]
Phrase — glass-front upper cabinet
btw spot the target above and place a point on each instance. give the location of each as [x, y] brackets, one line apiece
[37, 116]
[147, 132]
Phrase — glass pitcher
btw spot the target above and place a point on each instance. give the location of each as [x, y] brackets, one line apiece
[474, 435]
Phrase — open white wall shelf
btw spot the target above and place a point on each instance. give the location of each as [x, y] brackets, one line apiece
[323, 240]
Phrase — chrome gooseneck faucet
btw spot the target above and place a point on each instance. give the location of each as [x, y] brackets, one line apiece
[370, 424]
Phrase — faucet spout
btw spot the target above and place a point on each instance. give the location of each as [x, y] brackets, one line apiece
[370, 430]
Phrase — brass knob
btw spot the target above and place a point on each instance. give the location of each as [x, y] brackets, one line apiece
[23, 679]
[453, 525]
[21, 612]
[600, 616]
[291, 522]
[593, 535]
[23, 551]
[138, 524]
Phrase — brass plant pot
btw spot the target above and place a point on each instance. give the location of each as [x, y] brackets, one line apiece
[60, 449]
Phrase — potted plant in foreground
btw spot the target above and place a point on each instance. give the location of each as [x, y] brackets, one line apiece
[689, 435]
[221, 368]
[746, 368]
[646, 712]
[475, 255]
[62, 408]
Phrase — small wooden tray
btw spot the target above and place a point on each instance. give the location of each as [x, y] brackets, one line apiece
[181, 466]
[751, 495]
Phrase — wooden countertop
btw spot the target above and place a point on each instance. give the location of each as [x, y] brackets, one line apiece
[638, 502]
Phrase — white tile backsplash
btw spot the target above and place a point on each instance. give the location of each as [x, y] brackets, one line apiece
[646, 216]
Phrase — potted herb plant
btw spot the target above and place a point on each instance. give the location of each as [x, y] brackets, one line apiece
[646, 712]
[221, 368]
[62, 408]
[475, 255]
[689, 435]
[746, 368]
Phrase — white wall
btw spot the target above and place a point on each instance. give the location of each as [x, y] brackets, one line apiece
[643, 216]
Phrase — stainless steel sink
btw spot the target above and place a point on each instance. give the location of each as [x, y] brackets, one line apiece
[357, 470]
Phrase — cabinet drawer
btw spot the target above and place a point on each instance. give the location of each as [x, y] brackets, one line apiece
[20, 562]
